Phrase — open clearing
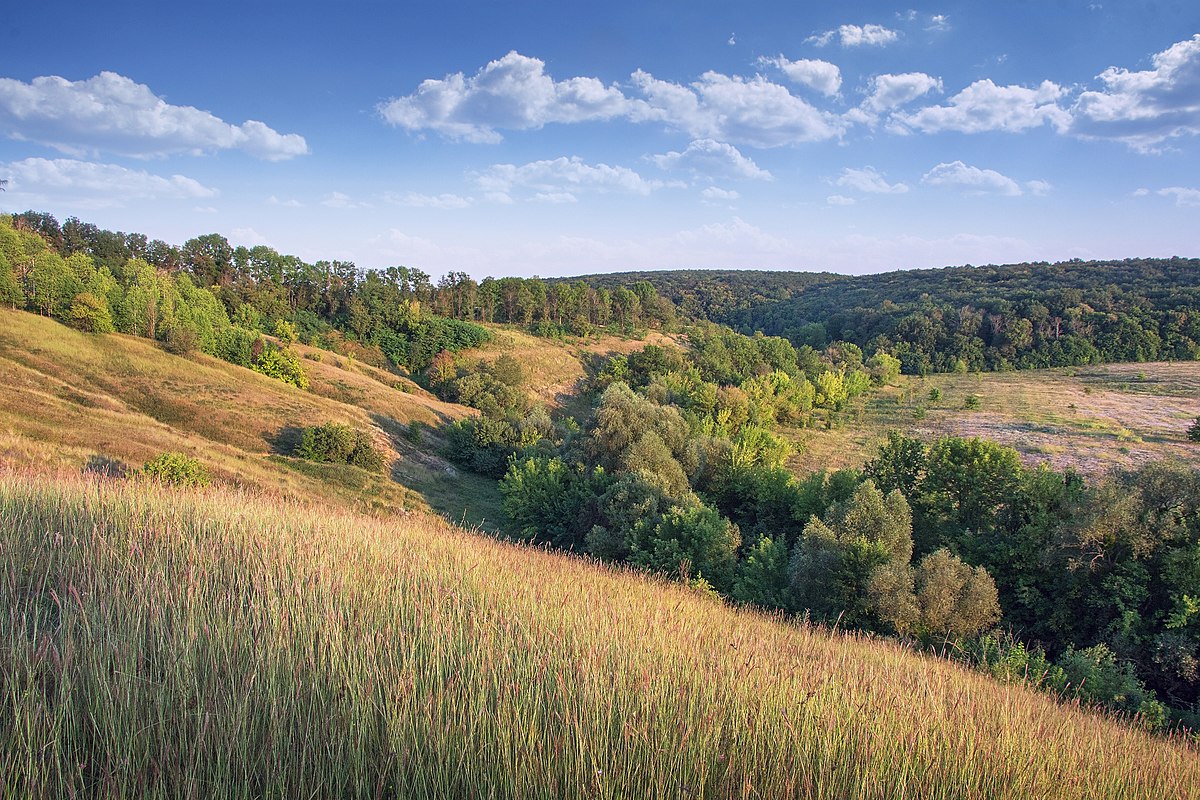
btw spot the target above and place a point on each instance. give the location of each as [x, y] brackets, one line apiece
[1090, 419]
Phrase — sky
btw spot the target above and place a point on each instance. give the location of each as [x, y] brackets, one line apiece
[564, 138]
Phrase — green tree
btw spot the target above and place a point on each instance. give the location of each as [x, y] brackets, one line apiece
[853, 565]
[11, 293]
[690, 541]
[955, 599]
[90, 314]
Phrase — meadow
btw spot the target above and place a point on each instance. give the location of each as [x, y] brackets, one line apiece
[1091, 419]
[160, 643]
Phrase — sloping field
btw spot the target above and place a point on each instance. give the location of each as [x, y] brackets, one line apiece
[69, 399]
[229, 645]
[1090, 419]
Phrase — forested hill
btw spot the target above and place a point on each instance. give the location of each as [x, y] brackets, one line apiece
[973, 318]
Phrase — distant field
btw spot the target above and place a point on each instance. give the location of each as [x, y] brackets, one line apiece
[224, 644]
[1090, 418]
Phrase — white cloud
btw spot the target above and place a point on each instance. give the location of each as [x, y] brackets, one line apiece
[856, 36]
[204, 209]
[341, 200]
[513, 92]
[840, 200]
[1039, 188]
[870, 180]
[417, 200]
[1145, 109]
[938, 23]
[1141, 192]
[289, 203]
[977, 181]
[1183, 197]
[889, 91]
[715, 193]
[67, 177]
[984, 106]
[712, 159]
[112, 113]
[560, 179]
[822, 76]
[753, 111]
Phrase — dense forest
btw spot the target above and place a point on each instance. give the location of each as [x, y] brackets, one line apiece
[962, 318]
[675, 463]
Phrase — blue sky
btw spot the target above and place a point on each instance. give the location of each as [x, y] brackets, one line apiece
[565, 138]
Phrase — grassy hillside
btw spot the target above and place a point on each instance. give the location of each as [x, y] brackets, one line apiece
[227, 644]
[71, 400]
[1091, 419]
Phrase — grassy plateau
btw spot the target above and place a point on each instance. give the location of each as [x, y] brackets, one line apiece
[227, 643]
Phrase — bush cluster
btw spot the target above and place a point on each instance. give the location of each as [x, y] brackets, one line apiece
[176, 469]
[334, 443]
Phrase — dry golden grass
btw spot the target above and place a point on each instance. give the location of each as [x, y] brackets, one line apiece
[67, 398]
[162, 644]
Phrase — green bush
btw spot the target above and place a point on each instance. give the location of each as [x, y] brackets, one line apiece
[90, 314]
[1193, 433]
[281, 365]
[972, 402]
[176, 469]
[334, 443]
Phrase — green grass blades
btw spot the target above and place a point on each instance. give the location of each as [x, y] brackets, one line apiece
[161, 643]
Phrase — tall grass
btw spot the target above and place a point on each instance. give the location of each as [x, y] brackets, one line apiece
[162, 644]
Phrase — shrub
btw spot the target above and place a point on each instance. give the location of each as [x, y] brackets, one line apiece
[90, 314]
[281, 365]
[334, 443]
[972, 402]
[1193, 433]
[176, 469]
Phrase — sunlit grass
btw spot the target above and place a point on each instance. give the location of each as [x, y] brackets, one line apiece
[231, 645]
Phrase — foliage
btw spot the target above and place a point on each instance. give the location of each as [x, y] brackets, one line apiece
[176, 469]
[90, 314]
[335, 443]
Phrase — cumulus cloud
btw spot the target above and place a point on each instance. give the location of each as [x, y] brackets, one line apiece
[820, 75]
[984, 106]
[753, 111]
[938, 23]
[958, 175]
[1183, 196]
[417, 200]
[1146, 108]
[869, 180]
[889, 91]
[291, 202]
[855, 36]
[559, 180]
[64, 176]
[112, 113]
[715, 193]
[712, 159]
[839, 200]
[513, 92]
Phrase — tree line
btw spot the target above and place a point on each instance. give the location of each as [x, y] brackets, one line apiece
[963, 318]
